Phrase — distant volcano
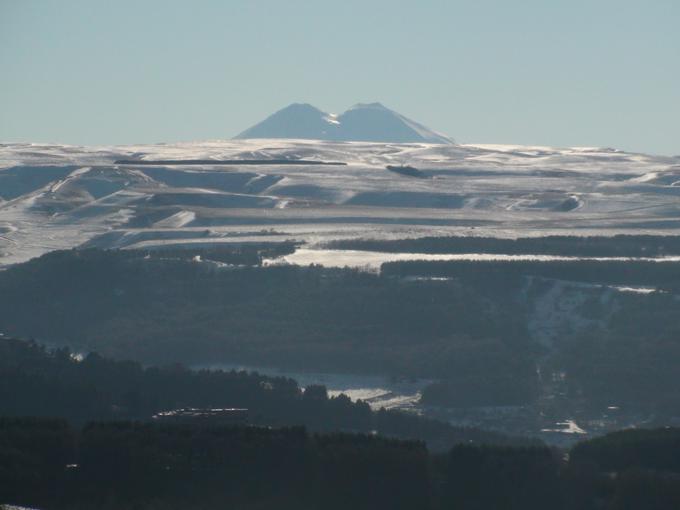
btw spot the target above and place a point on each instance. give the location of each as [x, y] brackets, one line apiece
[363, 122]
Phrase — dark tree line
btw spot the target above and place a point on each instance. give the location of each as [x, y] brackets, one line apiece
[577, 246]
[507, 274]
[35, 381]
[250, 253]
[127, 465]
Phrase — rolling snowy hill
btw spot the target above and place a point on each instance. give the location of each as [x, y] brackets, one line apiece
[57, 196]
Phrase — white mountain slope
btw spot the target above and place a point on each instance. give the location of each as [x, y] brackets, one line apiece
[56, 196]
[363, 123]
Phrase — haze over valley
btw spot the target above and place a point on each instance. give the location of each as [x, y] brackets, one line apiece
[576, 236]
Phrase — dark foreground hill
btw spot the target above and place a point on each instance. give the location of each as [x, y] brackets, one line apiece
[124, 465]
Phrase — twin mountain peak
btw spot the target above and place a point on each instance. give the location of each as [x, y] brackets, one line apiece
[364, 122]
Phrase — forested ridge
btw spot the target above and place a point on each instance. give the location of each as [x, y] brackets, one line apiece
[159, 310]
[36, 381]
[464, 324]
[626, 358]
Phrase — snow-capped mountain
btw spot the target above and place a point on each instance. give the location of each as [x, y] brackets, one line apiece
[370, 122]
[298, 120]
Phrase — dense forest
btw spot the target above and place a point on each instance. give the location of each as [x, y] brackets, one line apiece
[157, 309]
[464, 324]
[508, 275]
[250, 253]
[127, 465]
[626, 358]
[35, 381]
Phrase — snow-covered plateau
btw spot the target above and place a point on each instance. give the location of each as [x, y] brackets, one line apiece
[60, 196]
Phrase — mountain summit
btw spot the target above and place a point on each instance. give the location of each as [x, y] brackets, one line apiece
[371, 122]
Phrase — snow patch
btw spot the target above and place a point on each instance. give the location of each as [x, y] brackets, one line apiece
[177, 220]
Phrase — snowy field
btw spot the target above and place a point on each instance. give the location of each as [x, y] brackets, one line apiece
[56, 196]
[372, 260]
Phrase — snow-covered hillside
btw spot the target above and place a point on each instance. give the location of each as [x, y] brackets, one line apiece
[56, 196]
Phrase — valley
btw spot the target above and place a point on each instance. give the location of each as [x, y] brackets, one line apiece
[244, 211]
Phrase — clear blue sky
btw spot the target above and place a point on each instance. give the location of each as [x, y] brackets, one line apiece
[550, 72]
